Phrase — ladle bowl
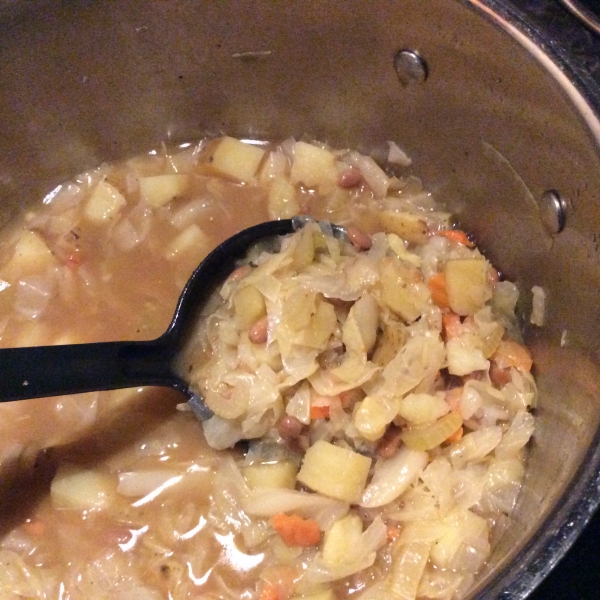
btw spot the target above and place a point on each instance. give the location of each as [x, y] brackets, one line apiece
[75, 368]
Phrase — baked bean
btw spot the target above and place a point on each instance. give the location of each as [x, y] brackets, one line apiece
[289, 427]
[390, 442]
[259, 332]
[358, 238]
[349, 178]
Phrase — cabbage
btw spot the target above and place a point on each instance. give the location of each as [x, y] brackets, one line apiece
[393, 476]
[358, 557]
[266, 503]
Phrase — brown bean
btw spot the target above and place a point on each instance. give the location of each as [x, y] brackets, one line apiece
[358, 238]
[350, 397]
[390, 442]
[350, 178]
[499, 376]
[259, 332]
[289, 427]
[239, 273]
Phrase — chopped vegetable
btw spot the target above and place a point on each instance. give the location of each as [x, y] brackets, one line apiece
[159, 190]
[467, 284]
[236, 159]
[275, 475]
[430, 436]
[455, 235]
[334, 471]
[439, 292]
[296, 531]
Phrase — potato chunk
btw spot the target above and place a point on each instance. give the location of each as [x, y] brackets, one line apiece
[406, 298]
[31, 255]
[344, 534]
[105, 203]
[313, 167]
[282, 199]
[334, 471]
[408, 226]
[467, 284]
[77, 488]
[159, 190]
[276, 475]
[236, 159]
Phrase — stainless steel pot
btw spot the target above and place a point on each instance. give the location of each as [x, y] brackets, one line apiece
[501, 114]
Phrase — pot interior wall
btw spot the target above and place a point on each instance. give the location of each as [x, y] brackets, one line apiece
[488, 131]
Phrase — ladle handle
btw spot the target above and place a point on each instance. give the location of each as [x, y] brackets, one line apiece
[69, 369]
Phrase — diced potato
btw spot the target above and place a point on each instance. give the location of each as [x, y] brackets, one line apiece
[31, 255]
[82, 489]
[422, 408]
[467, 284]
[105, 203]
[159, 190]
[389, 343]
[192, 237]
[236, 159]
[345, 533]
[275, 475]
[406, 299]
[334, 471]
[324, 595]
[282, 199]
[373, 415]
[248, 306]
[409, 226]
[313, 167]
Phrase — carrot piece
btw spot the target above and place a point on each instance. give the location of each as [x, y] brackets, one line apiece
[456, 235]
[296, 531]
[456, 436]
[319, 412]
[270, 591]
[513, 354]
[439, 293]
[393, 532]
[451, 325]
[453, 397]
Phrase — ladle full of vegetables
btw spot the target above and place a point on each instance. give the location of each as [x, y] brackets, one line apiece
[41, 371]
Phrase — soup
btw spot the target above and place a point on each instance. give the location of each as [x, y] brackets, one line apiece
[329, 492]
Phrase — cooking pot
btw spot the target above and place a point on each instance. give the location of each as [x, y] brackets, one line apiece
[500, 121]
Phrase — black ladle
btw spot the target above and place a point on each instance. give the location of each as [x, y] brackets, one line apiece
[70, 369]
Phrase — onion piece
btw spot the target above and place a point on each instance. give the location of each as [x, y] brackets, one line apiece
[372, 173]
[266, 503]
[397, 156]
[427, 438]
[393, 476]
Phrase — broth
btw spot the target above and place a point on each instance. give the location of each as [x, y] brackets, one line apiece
[126, 499]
